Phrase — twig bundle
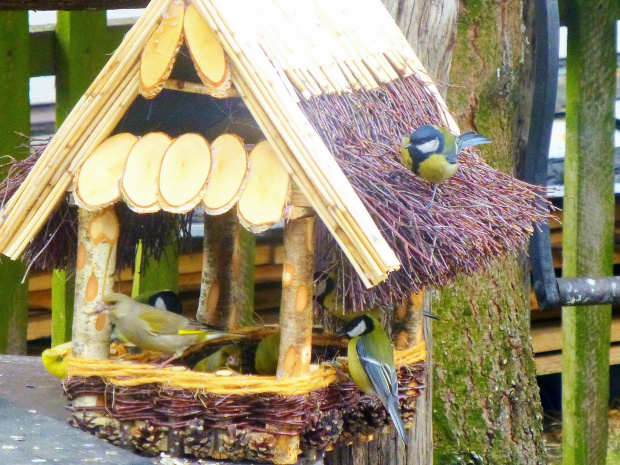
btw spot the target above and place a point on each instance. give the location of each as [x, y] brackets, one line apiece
[477, 215]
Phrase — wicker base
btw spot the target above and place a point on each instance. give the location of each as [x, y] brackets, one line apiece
[266, 427]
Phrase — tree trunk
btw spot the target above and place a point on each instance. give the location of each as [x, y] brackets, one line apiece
[588, 224]
[486, 405]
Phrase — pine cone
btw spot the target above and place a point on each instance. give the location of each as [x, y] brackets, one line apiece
[261, 447]
[232, 443]
[199, 439]
[323, 430]
[149, 439]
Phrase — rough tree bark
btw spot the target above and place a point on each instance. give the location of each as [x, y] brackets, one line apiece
[486, 406]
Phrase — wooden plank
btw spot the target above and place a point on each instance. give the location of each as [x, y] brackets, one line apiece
[49, 5]
[15, 104]
[547, 334]
[552, 363]
[589, 210]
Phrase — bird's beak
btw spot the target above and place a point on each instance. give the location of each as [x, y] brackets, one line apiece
[102, 307]
[410, 146]
[341, 332]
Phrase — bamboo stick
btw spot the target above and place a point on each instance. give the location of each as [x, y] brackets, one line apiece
[270, 100]
[88, 105]
[113, 116]
[303, 182]
[193, 87]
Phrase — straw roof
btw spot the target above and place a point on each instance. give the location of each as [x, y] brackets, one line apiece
[333, 85]
[279, 50]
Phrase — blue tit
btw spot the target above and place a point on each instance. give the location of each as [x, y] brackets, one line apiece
[154, 329]
[371, 364]
[267, 351]
[228, 356]
[432, 152]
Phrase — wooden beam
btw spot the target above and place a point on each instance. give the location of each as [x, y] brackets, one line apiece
[15, 104]
[547, 364]
[589, 206]
[67, 5]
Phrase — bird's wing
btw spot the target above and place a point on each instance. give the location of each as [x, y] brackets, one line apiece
[159, 323]
[381, 374]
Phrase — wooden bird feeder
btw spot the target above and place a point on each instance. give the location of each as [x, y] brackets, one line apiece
[331, 88]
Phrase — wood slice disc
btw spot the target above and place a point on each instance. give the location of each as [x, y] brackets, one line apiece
[140, 181]
[228, 174]
[207, 52]
[96, 182]
[184, 173]
[266, 192]
[161, 50]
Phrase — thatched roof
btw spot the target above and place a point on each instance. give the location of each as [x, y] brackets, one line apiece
[333, 85]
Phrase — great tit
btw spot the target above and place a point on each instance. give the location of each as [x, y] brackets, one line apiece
[267, 351]
[165, 300]
[154, 329]
[325, 295]
[371, 364]
[229, 356]
[55, 361]
[432, 152]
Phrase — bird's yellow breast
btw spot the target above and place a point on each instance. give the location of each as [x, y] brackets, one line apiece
[436, 169]
[356, 370]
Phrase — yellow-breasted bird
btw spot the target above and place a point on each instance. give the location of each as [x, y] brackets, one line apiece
[267, 351]
[432, 152]
[229, 356]
[55, 361]
[155, 329]
[325, 295]
[371, 364]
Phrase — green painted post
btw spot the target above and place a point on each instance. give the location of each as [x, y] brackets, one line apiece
[588, 224]
[155, 275]
[80, 53]
[15, 104]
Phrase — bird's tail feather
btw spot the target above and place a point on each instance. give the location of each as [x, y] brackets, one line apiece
[470, 139]
[393, 408]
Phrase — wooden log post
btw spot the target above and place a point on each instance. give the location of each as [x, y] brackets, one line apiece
[80, 56]
[296, 313]
[94, 277]
[227, 284]
[588, 224]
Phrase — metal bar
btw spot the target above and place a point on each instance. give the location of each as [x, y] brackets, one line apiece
[586, 291]
[539, 139]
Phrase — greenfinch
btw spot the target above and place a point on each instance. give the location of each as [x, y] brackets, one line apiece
[267, 351]
[229, 356]
[371, 364]
[155, 329]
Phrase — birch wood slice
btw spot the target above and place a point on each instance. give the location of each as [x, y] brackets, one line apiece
[207, 52]
[96, 183]
[140, 180]
[161, 50]
[267, 191]
[228, 174]
[184, 173]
